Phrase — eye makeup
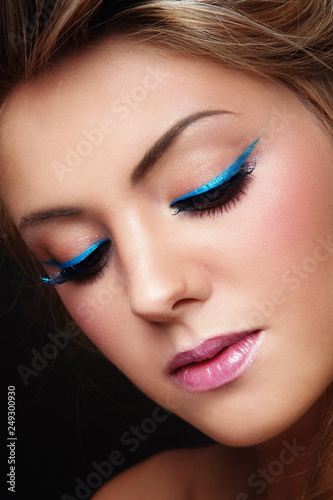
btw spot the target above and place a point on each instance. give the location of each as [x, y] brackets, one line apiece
[82, 267]
[219, 193]
[221, 179]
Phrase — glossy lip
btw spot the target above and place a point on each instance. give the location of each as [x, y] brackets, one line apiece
[216, 361]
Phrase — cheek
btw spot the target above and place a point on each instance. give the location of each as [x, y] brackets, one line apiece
[292, 212]
[274, 257]
[97, 309]
[102, 312]
[292, 261]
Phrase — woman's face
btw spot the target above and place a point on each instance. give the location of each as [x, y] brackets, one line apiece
[243, 259]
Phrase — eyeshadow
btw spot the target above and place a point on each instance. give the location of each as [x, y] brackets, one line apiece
[79, 258]
[232, 170]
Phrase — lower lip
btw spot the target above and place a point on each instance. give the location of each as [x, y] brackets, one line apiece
[227, 366]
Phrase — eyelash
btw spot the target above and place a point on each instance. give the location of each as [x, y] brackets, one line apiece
[88, 270]
[220, 198]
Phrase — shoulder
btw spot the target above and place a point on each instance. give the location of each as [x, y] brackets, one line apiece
[167, 475]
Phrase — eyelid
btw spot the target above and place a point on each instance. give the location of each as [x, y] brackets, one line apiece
[78, 259]
[222, 178]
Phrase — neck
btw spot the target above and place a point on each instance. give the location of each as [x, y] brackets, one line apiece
[285, 460]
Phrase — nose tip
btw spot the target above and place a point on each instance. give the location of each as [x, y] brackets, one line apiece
[157, 302]
[163, 294]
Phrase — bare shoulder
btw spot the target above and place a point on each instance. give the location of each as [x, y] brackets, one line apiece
[170, 475]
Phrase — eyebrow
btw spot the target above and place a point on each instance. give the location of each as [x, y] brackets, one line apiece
[45, 215]
[163, 143]
[144, 166]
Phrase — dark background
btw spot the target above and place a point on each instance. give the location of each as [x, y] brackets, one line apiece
[72, 413]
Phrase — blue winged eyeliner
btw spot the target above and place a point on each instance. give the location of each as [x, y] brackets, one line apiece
[222, 178]
[69, 265]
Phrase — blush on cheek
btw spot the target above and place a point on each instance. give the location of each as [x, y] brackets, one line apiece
[294, 208]
[84, 310]
[103, 315]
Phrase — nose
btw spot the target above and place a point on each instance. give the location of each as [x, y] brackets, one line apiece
[162, 281]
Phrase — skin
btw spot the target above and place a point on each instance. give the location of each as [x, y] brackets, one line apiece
[172, 282]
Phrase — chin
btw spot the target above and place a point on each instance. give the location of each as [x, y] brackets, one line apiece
[248, 426]
[241, 436]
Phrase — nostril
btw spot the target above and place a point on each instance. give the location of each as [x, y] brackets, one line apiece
[182, 302]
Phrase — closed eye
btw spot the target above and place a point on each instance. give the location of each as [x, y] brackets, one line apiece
[83, 268]
[221, 191]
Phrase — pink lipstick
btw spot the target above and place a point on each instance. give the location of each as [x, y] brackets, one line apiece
[215, 362]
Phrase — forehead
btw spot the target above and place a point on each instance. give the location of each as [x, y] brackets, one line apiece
[118, 97]
[80, 89]
[117, 78]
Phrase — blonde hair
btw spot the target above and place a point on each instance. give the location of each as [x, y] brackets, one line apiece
[287, 41]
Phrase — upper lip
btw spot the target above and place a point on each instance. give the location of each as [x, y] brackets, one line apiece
[206, 350]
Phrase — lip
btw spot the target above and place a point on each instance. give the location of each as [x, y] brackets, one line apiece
[216, 361]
